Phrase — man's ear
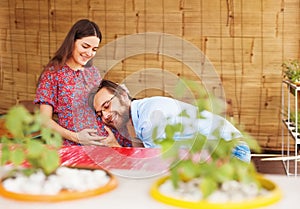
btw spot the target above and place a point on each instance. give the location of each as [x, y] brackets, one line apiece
[123, 86]
[124, 95]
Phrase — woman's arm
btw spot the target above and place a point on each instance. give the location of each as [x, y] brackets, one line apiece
[47, 111]
[85, 137]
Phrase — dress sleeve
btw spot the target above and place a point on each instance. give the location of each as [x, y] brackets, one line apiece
[46, 92]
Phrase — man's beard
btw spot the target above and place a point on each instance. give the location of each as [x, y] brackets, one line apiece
[124, 120]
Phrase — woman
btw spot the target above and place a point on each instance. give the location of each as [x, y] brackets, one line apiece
[64, 86]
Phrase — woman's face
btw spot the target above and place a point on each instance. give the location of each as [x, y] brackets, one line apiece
[84, 50]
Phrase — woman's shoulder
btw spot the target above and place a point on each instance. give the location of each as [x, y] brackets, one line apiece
[55, 72]
[48, 71]
[52, 69]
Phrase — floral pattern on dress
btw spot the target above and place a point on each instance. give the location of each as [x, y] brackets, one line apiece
[67, 92]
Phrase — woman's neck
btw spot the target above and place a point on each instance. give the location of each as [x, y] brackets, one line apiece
[74, 66]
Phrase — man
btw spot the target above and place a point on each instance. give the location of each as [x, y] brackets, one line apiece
[136, 119]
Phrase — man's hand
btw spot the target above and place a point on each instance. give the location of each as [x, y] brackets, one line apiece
[242, 152]
[89, 137]
[110, 140]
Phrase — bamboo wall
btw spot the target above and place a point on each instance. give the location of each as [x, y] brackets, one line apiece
[246, 42]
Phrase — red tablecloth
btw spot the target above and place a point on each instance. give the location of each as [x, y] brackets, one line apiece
[147, 159]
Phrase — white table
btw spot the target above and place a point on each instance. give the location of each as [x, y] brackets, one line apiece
[134, 194]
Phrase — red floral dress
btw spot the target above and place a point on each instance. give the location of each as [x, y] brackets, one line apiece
[67, 92]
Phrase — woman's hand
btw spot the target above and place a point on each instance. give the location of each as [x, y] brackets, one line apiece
[90, 137]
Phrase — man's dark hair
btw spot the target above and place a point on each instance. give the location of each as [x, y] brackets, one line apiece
[112, 87]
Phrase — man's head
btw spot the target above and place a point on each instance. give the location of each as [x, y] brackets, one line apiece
[112, 103]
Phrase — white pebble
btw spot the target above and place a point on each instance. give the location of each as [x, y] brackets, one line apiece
[188, 191]
[98, 174]
[251, 190]
[11, 185]
[218, 197]
[30, 187]
[231, 191]
[71, 179]
[52, 186]
[237, 197]
[230, 186]
[38, 177]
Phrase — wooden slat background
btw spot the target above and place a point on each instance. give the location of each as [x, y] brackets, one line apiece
[246, 41]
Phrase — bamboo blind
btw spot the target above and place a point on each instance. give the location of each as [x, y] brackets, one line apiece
[246, 42]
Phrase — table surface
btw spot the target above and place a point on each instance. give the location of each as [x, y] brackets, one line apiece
[136, 170]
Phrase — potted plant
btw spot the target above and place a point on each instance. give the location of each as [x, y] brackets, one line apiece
[204, 173]
[30, 163]
[291, 71]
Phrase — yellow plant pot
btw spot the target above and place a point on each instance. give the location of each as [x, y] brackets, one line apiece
[273, 196]
[63, 195]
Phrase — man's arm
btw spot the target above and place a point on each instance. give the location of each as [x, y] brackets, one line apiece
[136, 142]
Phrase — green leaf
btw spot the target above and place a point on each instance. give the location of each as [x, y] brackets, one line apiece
[17, 156]
[223, 148]
[244, 172]
[169, 149]
[251, 142]
[198, 143]
[291, 70]
[205, 168]
[36, 152]
[154, 134]
[172, 129]
[4, 154]
[180, 88]
[184, 114]
[175, 178]
[188, 169]
[208, 186]
[35, 148]
[51, 138]
[15, 119]
[33, 127]
[50, 161]
[28, 171]
[224, 173]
